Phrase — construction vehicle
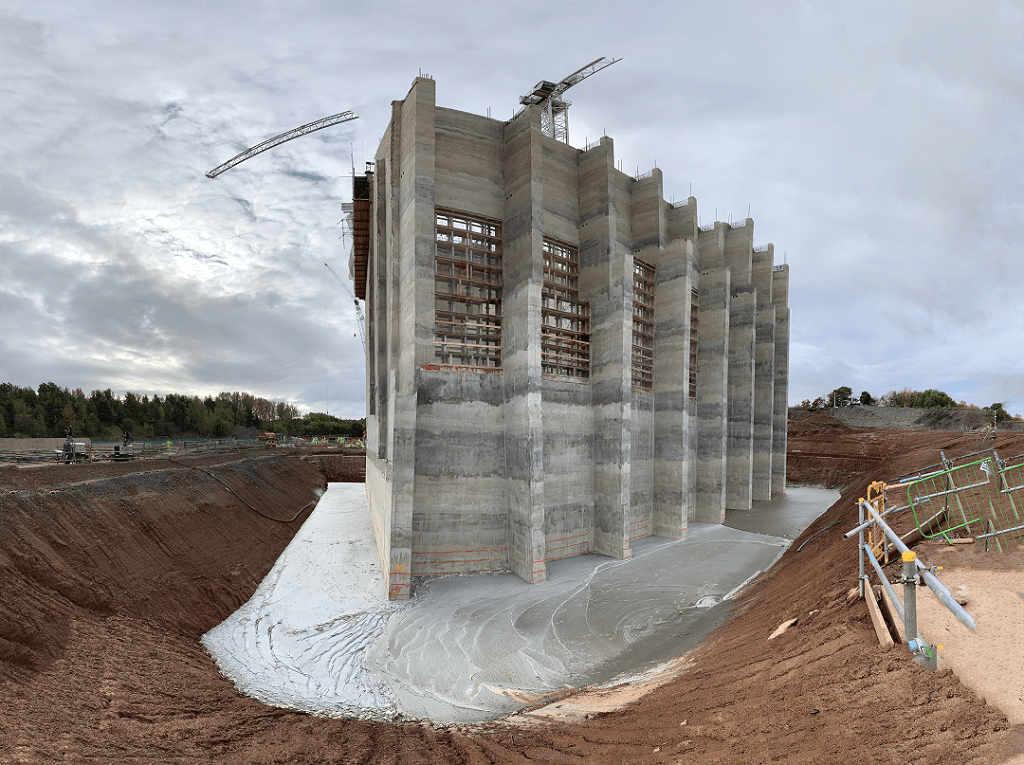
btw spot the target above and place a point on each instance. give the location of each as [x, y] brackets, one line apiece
[268, 438]
[73, 451]
[124, 451]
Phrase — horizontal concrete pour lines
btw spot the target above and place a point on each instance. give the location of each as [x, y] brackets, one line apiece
[471, 648]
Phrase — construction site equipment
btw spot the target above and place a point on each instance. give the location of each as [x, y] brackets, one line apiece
[359, 309]
[73, 451]
[277, 140]
[123, 451]
[270, 439]
[983, 499]
[555, 109]
[971, 498]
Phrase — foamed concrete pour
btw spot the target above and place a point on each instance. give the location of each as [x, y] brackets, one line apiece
[319, 635]
[299, 641]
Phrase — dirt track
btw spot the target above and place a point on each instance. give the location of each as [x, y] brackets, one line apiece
[109, 575]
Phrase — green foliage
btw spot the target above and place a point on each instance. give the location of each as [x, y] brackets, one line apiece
[934, 399]
[997, 411]
[27, 413]
[320, 424]
[904, 397]
[840, 397]
[866, 399]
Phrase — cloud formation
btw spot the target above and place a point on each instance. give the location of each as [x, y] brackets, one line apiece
[877, 146]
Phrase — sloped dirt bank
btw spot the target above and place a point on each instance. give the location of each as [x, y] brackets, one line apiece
[107, 585]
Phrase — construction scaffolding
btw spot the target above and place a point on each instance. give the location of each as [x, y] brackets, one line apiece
[565, 319]
[467, 292]
[643, 325]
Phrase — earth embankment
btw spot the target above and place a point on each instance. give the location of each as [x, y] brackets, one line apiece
[110, 573]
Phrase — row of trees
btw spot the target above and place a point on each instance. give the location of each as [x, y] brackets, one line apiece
[926, 399]
[101, 415]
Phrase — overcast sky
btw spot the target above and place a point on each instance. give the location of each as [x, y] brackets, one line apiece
[877, 145]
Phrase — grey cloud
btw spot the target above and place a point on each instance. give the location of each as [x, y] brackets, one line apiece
[877, 144]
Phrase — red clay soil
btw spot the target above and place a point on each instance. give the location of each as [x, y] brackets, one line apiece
[110, 574]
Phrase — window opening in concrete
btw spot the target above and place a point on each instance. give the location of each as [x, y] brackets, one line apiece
[694, 318]
[467, 292]
[565, 319]
[643, 325]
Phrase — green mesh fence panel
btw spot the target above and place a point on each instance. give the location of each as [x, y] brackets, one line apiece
[983, 499]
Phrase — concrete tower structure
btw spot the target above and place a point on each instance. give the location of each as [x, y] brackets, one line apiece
[558, 360]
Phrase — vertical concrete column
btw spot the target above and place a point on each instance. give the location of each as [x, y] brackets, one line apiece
[606, 280]
[740, 462]
[414, 261]
[523, 265]
[712, 394]
[764, 374]
[780, 416]
[648, 227]
[738, 249]
[378, 300]
[672, 453]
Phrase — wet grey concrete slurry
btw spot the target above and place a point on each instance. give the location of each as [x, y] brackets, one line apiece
[470, 648]
[785, 516]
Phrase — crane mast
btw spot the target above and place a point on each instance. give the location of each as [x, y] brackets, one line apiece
[554, 120]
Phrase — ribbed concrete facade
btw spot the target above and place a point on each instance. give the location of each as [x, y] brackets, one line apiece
[531, 340]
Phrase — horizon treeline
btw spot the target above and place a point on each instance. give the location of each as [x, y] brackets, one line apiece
[103, 416]
[906, 397]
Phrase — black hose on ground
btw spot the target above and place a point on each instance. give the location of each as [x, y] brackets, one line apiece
[257, 510]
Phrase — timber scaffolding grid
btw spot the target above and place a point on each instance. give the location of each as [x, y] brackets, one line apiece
[979, 501]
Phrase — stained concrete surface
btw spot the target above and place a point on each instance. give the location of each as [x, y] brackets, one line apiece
[319, 636]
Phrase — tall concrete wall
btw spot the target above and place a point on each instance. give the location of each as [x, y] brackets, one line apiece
[780, 298]
[740, 444]
[511, 468]
[764, 374]
[605, 275]
[521, 333]
[712, 412]
[568, 468]
[460, 520]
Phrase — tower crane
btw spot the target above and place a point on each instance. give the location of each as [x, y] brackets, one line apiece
[277, 140]
[554, 121]
[359, 308]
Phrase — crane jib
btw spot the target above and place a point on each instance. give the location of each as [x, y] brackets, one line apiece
[270, 143]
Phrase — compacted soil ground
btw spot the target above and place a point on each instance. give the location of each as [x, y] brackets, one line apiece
[110, 573]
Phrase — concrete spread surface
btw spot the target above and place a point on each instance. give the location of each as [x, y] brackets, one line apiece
[319, 636]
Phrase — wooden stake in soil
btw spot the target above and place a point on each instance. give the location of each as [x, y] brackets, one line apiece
[881, 630]
[894, 617]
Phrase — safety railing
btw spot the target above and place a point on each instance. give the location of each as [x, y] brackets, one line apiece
[875, 541]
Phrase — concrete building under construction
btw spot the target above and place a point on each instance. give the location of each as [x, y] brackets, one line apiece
[559, 361]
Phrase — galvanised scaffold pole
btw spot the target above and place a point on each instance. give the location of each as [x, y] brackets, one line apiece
[943, 594]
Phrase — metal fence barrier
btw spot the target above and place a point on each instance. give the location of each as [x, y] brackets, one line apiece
[966, 506]
[982, 500]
